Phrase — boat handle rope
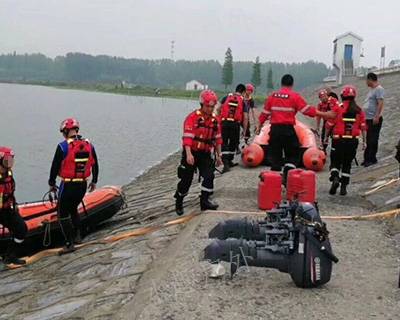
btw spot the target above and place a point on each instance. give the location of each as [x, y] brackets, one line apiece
[50, 196]
[47, 233]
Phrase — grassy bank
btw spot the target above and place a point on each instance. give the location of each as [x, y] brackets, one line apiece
[131, 91]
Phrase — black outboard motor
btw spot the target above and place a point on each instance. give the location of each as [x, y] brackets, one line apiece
[292, 239]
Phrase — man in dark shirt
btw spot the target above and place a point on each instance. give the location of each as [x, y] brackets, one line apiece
[74, 161]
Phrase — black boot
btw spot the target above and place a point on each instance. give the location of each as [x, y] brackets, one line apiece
[78, 237]
[334, 186]
[206, 204]
[178, 204]
[343, 189]
[226, 166]
[11, 255]
[13, 259]
[232, 164]
[68, 248]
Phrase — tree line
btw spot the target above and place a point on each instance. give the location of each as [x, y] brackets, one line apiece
[166, 73]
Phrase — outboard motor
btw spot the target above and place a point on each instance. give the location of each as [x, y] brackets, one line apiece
[292, 239]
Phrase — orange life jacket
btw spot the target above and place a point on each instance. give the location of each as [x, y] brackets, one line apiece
[7, 189]
[232, 108]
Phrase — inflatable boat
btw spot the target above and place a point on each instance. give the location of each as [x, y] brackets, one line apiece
[312, 156]
[42, 222]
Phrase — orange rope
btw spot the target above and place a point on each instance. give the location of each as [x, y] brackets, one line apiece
[122, 236]
[146, 230]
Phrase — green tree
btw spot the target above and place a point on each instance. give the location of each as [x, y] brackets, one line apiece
[227, 69]
[256, 76]
[164, 73]
[270, 82]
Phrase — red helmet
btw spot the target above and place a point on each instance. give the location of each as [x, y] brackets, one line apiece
[208, 98]
[6, 157]
[322, 93]
[250, 87]
[68, 124]
[349, 91]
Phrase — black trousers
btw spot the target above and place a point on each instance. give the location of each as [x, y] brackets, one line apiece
[323, 135]
[247, 134]
[205, 164]
[332, 154]
[283, 139]
[373, 131]
[69, 198]
[11, 219]
[345, 151]
[230, 139]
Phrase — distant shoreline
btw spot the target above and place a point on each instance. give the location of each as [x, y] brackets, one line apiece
[127, 91]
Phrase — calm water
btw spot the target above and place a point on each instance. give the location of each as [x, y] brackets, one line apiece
[130, 133]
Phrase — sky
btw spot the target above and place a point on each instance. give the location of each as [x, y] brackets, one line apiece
[275, 30]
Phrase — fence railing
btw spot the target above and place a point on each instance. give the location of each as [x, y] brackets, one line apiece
[381, 71]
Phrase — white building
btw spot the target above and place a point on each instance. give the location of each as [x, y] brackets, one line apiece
[346, 55]
[195, 85]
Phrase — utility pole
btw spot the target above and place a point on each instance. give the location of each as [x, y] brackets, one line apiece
[383, 54]
[172, 49]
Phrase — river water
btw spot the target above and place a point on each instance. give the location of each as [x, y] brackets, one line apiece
[130, 134]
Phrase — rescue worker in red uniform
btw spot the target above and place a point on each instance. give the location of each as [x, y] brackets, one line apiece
[201, 139]
[346, 126]
[74, 161]
[281, 108]
[249, 102]
[326, 104]
[233, 114]
[9, 216]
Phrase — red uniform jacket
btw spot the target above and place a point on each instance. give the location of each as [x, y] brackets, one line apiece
[346, 124]
[329, 105]
[201, 132]
[281, 106]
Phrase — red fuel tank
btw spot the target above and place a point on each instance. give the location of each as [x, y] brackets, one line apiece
[294, 184]
[309, 181]
[301, 185]
[269, 190]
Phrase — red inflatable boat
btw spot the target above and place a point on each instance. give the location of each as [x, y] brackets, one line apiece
[313, 158]
[42, 222]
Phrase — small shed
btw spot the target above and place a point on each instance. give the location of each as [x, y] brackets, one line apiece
[346, 55]
[195, 85]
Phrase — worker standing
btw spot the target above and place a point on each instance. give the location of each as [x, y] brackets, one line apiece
[346, 126]
[75, 160]
[281, 108]
[233, 114]
[201, 139]
[326, 103]
[374, 112]
[250, 106]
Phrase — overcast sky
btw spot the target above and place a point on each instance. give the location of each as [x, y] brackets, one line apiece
[287, 31]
